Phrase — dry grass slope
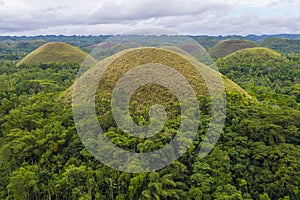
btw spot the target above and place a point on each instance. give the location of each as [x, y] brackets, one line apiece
[56, 52]
[227, 47]
[257, 54]
[153, 93]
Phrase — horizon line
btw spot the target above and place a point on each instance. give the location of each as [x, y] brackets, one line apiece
[193, 35]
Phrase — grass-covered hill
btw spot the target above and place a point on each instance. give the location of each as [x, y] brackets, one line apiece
[252, 64]
[262, 70]
[151, 94]
[169, 56]
[227, 47]
[144, 97]
[180, 62]
[55, 52]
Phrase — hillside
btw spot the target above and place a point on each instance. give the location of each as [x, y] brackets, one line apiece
[6, 52]
[172, 56]
[285, 46]
[204, 82]
[261, 71]
[253, 61]
[3, 46]
[258, 53]
[28, 44]
[56, 52]
[227, 47]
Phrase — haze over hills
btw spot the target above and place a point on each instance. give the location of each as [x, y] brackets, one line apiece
[56, 52]
[18, 47]
[90, 39]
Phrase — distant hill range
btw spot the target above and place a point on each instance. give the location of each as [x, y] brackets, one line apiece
[80, 39]
[85, 41]
[283, 43]
[13, 47]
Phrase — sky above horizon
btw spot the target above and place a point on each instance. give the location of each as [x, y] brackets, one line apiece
[194, 17]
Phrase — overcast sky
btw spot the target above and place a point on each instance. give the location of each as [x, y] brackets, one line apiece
[196, 17]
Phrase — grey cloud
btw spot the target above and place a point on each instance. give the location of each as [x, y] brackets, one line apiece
[37, 19]
[109, 12]
[137, 9]
[193, 17]
[284, 2]
[244, 25]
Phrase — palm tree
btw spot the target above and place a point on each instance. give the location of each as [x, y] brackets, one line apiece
[165, 185]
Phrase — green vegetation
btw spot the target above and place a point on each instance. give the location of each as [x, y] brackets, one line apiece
[256, 157]
[227, 47]
[285, 46]
[264, 73]
[6, 53]
[28, 46]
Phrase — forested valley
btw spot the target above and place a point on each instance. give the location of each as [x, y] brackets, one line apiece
[256, 157]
